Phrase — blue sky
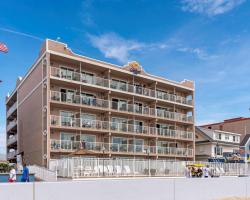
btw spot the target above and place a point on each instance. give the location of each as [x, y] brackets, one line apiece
[207, 41]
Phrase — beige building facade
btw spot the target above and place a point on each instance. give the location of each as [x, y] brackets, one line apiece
[70, 104]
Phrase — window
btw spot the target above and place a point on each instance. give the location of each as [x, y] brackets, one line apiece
[67, 95]
[162, 95]
[67, 140]
[163, 129]
[67, 73]
[164, 112]
[119, 124]
[119, 104]
[119, 84]
[138, 145]
[88, 99]
[88, 120]
[226, 137]
[87, 78]
[218, 150]
[138, 107]
[234, 138]
[119, 144]
[138, 126]
[139, 89]
[88, 138]
[67, 118]
[88, 141]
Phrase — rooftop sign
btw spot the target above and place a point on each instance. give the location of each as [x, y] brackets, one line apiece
[135, 67]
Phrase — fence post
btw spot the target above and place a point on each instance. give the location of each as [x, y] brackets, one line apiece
[134, 167]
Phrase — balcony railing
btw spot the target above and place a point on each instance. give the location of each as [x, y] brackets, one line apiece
[11, 125]
[12, 109]
[11, 154]
[12, 139]
[67, 145]
[76, 76]
[121, 107]
[78, 99]
[60, 121]
[78, 123]
[125, 87]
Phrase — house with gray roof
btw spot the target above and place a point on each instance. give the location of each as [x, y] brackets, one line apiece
[215, 143]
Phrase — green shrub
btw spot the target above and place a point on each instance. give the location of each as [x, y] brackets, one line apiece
[4, 168]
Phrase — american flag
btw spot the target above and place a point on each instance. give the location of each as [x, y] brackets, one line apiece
[3, 48]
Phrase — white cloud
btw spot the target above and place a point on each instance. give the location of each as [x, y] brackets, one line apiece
[200, 53]
[114, 46]
[111, 45]
[210, 7]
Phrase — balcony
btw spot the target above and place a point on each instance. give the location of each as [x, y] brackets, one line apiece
[96, 125]
[60, 121]
[98, 147]
[11, 109]
[123, 87]
[12, 154]
[11, 125]
[178, 152]
[12, 139]
[176, 134]
[115, 106]
[79, 77]
[78, 99]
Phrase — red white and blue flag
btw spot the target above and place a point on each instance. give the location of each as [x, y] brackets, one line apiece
[3, 47]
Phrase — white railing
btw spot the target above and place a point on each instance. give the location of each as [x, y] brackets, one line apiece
[12, 109]
[11, 124]
[43, 173]
[12, 139]
[80, 167]
[115, 106]
[60, 121]
[68, 145]
[125, 87]
[78, 99]
[11, 154]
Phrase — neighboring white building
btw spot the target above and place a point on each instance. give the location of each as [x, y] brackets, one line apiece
[245, 147]
[214, 143]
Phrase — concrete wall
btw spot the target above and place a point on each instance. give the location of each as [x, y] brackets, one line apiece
[130, 189]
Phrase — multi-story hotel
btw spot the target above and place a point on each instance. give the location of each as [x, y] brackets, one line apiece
[68, 102]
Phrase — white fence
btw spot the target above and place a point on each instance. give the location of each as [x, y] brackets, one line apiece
[80, 167]
[43, 173]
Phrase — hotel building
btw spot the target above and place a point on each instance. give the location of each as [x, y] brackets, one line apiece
[68, 103]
